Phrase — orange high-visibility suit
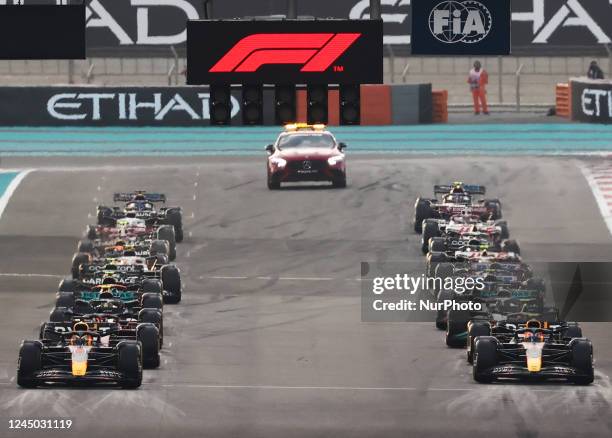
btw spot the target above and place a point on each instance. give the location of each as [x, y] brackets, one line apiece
[478, 81]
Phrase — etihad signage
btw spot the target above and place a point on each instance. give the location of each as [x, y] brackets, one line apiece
[107, 106]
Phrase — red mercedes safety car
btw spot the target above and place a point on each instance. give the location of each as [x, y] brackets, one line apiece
[306, 153]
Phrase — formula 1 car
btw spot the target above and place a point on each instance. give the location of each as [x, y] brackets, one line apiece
[504, 329]
[141, 205]
[135, 296]
[132, 229]
[503, 289]
[474, 241]
[121, 258]
[468, 255]
[306, 153]
[533, 352]
[80, 356]
[112, 331]
[165, 280]
[497, 301]
[462, 228]
[135, 246]
[457, 199]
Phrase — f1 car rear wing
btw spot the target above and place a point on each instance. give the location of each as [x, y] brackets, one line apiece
[90, 270]
[470, 189]
[139, 195]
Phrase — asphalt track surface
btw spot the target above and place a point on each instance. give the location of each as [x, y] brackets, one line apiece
[268, 341]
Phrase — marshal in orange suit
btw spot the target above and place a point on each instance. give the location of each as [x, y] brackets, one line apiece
[478, 80]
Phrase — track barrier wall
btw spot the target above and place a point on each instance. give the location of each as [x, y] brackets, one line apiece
[591, 100]
[189, 106]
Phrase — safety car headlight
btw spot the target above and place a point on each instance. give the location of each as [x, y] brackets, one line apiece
[279, 162]
[332, 161]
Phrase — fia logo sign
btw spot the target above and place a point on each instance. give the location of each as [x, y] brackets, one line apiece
[461, 27]
[454, 22]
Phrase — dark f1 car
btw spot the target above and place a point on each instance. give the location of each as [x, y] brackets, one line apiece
[112, 331]
[457, 199]
[142, 205]
[79, 357]
[441, 235]
[165, 280]
[119, 300]
[533, 351]
[132, 230]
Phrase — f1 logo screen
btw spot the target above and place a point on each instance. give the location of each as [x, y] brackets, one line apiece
[302, 52]
[461, 27]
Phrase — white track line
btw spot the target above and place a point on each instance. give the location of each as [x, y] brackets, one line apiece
[232, 277]
[8, 193]
[344, 388]
[595, 178]
[8, 274]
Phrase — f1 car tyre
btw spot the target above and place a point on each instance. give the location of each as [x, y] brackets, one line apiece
[91, 232]
[30, 361]
[433, 261]
[130, 364]
[171, 281]
[485, 357]
[148, 336]
[86, 247]
[159, 247]
[511, 246]
[151, 285]
[422, 211]
[152, 301]
[153, 316]
[339, 183]
[166, 232]
[442, 315]
[67, 285]
[582, 360]
[476, 329]
[105, 217]
[161, 259]
[444, 271]
[437, 244]
[430, 230]
[505, 231]
[78, 260]
[496, 208]
[58, 314]
[64, 299]
[573, 331]
[175, 218]
[456, 329]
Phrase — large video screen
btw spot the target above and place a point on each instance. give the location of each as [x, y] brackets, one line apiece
[287, 51]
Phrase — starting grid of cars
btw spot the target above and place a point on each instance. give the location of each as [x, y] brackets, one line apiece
[515, 335]
[108, 320]
[107, 323]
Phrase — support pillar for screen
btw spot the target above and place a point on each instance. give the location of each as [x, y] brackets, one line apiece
[208, 9]
[292, 7]
[375, 10]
